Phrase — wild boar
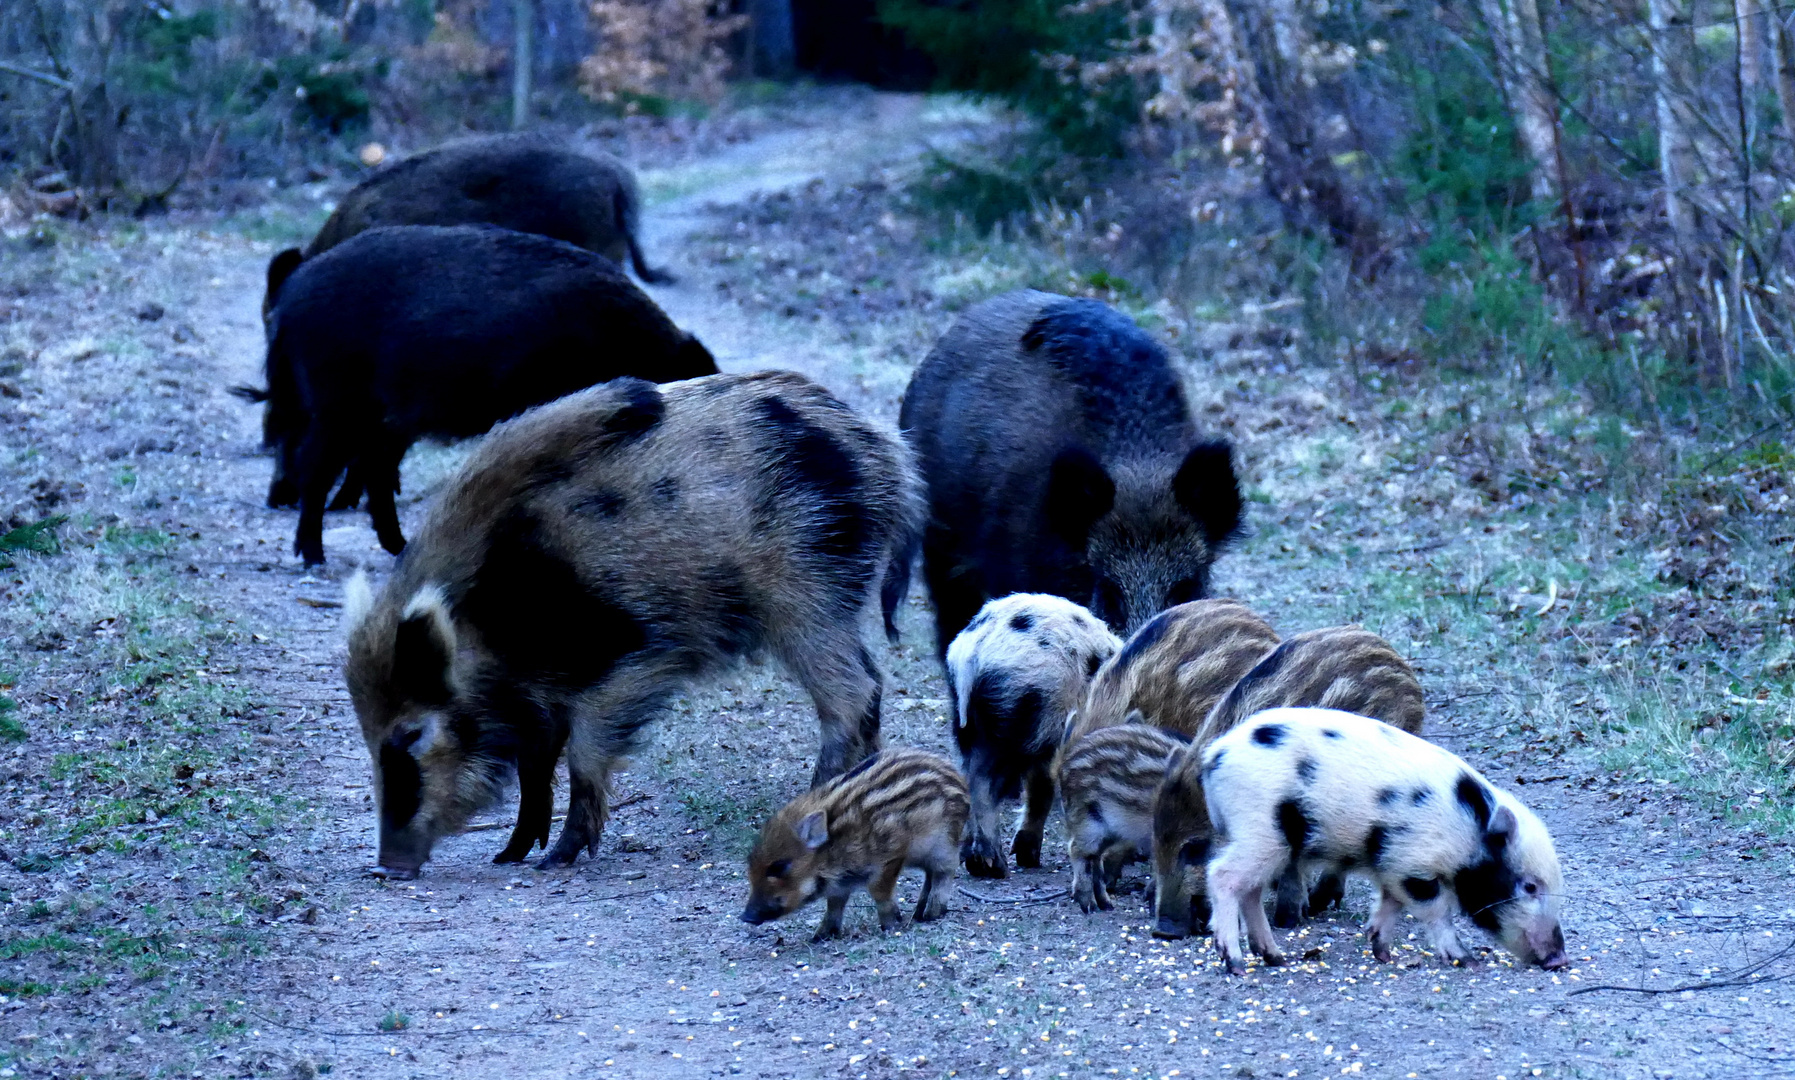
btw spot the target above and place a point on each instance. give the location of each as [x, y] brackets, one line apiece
[523, 182]
[1061, 457]
[1329, 790]
[1015, 672]
[1106, 782]
[418, 331]
[596, 555]
[1174, 669]
[1338, 667]
[897, 809]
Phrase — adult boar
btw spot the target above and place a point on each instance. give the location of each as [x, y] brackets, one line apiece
[527, 183]
[1061, 457]
[592, 558]
[423, 331]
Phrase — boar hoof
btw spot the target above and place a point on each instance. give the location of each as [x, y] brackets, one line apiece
[1272, 959]
[394, 873]
[515, 852]
[824, 933]
[983, 860]
[1170, 929]
[1285, 916]
[1027, 849]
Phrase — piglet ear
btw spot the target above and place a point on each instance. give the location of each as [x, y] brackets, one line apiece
[1079, 492]
[813, 830]
[280, 268]
[1207, 488]
[1501, 828]
[1135, 716]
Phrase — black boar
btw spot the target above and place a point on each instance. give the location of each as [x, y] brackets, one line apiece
[1015, 673]
[1338, 667]
[1324, 789]
[524, 182]
[1061, 457]
[415, 331]
[597, 554]
[896, 809]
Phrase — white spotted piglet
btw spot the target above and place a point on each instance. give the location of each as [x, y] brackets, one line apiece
[1328, 790]
[1015, 673]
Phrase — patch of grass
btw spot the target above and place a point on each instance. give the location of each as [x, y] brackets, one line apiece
[39, 537]
[393, 1021]
[982, 194]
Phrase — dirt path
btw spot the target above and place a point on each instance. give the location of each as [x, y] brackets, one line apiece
[633, 964]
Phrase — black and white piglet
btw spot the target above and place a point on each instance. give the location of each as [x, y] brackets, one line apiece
[1329, 790]
[1016, 671]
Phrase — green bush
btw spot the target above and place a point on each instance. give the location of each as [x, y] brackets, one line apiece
[997, 47]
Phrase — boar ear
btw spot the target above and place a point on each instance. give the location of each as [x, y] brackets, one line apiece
[424, 649]
[1207, 488]
[1135, 716]
[813, 830]
[280, 268]
[358, 601]
[1500, 830]
[1078, 493]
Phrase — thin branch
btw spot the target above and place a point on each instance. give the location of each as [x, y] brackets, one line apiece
[44, 77]
[1736, 977]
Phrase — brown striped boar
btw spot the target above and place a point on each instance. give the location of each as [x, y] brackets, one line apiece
[1337, 667]
[523, 182]
[592, 558]
[1015, 673]
[1061, 457]
[900, 808]
[1327, 790]
[1106, 782]
[1175, 668]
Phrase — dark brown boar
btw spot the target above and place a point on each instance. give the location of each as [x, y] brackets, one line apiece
[900, 808]
[593, 557]
[523, 182]
[1347, 668]
[1061, 457]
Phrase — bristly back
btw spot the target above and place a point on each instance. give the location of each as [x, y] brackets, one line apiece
[1122, 374]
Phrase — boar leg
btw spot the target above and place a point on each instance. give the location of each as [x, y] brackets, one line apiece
[380, 472]
[835, 902]
[881, 889]
[1027, 845]
[318, 465]
[1237, 880]
[979, 849]
[1328, 892]
[937, 883]
[843, 681]
[588, 804]
[1382, 927]
[1287, 910]
[348, 497]
[536, 801]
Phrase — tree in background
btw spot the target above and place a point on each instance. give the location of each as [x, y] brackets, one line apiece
[652, 52]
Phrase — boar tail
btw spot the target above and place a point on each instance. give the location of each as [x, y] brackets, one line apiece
[897, 585]
[628, 223]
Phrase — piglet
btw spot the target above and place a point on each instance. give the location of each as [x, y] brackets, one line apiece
[1324, 789]
[899, 808]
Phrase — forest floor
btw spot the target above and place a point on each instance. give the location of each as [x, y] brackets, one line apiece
[186, 821]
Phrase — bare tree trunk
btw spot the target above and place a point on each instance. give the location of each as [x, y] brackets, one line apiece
[1521, 64]
[1679, 167]
[1749, 16]
[772, 49]
[1782, 42]
[1299, 171]
[523, 60]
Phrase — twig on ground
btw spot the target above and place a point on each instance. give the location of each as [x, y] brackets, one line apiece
[1019, 901]
[619, 896]
[1736, 977]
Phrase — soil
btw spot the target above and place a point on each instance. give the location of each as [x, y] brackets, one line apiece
[634, 963]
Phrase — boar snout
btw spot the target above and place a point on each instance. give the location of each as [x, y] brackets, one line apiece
[1547, 947]
[762, 911]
